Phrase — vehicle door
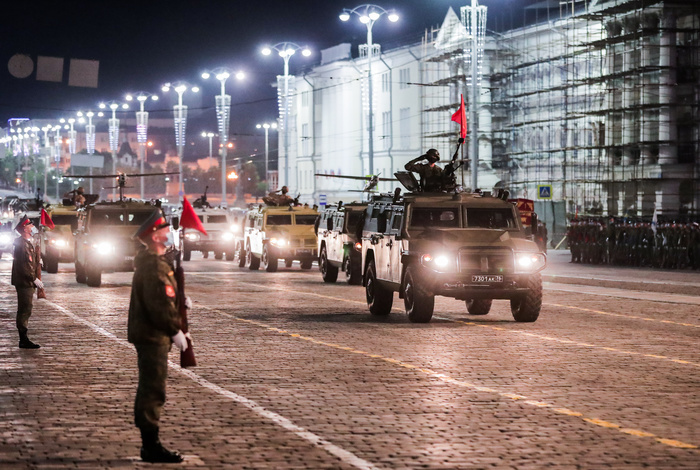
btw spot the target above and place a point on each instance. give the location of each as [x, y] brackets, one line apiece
[379, 240]
[392, 243]
[336, 237]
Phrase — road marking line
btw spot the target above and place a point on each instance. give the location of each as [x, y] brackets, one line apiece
[634, 317]
[316, 440]
[447, 379]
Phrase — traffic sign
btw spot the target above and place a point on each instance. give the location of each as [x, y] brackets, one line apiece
[322, 200]
[544, 191]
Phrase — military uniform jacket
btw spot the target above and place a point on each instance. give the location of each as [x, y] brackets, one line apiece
[24, 266]
[431, 176]
[153, 311]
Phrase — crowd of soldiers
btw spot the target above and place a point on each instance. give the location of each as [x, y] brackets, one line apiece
[634, 242]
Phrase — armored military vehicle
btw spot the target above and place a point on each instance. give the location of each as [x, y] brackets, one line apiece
[464, 245]
[220, 238]
[57, 244]
[339, 229]
[103, 238]
[278, 232]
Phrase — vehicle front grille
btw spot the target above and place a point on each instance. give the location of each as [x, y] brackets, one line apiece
[486, 260]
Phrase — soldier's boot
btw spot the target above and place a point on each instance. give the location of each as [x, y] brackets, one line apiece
[25, 343]
[153, 451]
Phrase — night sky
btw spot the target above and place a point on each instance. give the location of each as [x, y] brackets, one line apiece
[142, 44]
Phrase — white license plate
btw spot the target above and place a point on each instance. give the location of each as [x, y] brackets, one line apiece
[304, 251]
[129, 258]
[487, 278]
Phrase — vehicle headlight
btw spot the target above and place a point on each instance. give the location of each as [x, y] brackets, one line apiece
[358, 246]
[227, 236]
[529, 262]
[5, 238]
[6, 214]
[192, 237]
[58, 242]
[103, 248]
[439, 262]
[279, 242]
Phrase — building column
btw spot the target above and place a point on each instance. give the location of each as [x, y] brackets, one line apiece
[485, 128]
[650, 22]
[668, 132]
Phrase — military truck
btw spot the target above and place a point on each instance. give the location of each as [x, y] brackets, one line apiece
[468, 246]
[57, 244]
[221, 235]
[103, 238]
[339, 229]
[278, 232]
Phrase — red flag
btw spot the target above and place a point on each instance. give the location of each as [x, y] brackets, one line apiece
[46, 219]
[189, 219]
[461, 117]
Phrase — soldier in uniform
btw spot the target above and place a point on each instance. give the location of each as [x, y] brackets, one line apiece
[25, 266]
[154, 324]
[275, 199]
[430, 173]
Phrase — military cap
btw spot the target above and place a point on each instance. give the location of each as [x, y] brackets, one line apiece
[432, 155]
[22, 222]
[155, 222]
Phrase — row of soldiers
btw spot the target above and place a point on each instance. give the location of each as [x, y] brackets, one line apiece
[628, 242]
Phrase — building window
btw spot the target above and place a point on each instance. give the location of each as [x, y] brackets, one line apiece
[386, 129]
[404, 78]
[305, 99]
[385, 82]
[305, 139]
[405, 128]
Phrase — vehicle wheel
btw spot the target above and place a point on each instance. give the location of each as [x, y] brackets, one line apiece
[93, 276]
[353, 272]
[205, 254]
[230, 254]
[79, 273]
[241, 256]
[51, 262]
[252, 261]
[186, 254]
[329, 273]
[526, 308]
[479, 306]
[419, 302]
[218, 255]
[379, 300]
[306, 264]
[269, 262]
[288, 263]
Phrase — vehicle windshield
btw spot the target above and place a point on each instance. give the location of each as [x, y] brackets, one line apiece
[306, 219]
[432, 217]
[279, 219]
[65, 219]
[481, 217]
[119, 217]
[355, 218]
[216, 219]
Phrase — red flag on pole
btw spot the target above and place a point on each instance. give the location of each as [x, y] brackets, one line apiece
[189, 219]
[46, 220]
[461, 117]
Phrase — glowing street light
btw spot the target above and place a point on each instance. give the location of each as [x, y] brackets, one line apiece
[368, 15]
[89, 134]
[210, 136]
[286, 50]
[267, 126]
[180, 113]
[114, 135]
[142, 127]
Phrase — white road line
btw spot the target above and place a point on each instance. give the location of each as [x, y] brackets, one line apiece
[623, 293]
[342, 454]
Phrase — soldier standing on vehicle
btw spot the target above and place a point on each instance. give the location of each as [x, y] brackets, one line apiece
[430, 173]
[154, 324]
[24, 268]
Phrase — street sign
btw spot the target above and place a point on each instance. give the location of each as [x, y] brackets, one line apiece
[322, 200]
[544, 191]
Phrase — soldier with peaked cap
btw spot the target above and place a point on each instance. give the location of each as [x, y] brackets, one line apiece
[24, 270]
[430, 173]
[154, 324]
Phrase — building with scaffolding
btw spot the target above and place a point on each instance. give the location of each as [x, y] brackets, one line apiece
[591, 111]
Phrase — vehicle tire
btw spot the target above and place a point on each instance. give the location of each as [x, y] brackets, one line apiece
[186, 254]
[526, 308]
[205, 254]
[79, 273]
[418, 301]
[379, 300]
[51, 262]
[306, 264]
[328, 272]
[218, 255]
[269, 262]
[288, 263]
[479, 306]
[241, 256]
[93, 276]
[353, 272]
[230, 255]
[252, 261]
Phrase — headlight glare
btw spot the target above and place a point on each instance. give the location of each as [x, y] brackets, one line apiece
[193, 237]
[5, 238]
[103, 248]
[358, 246]
[529, 262]
[439, 262]
[278, 242]
[227, 236]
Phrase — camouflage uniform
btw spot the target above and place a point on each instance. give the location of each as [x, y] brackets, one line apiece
[153, 319]
[430, 174]
[24, 270]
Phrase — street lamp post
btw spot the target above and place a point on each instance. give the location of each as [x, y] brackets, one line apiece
[142, 128]
[267, 126]
[89, 136]
[180, 113]
[286, 50]
[58, 144]
[223, 114]
[114, 136]
[210, 136]
[368, 15]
